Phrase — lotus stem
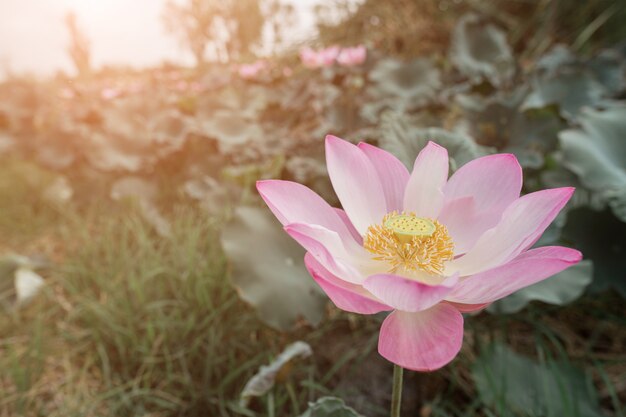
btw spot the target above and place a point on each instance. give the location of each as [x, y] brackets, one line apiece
[396, 396]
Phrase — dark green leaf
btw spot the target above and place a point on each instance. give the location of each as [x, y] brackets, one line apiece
[268, 270]
[508, 382]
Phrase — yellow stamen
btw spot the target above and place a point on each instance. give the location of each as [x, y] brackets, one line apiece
[406, 226]
[410, 243]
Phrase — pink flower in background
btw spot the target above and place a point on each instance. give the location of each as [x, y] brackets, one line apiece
[110, 93]
[181, 86]
[421, 245]
[349, 57]
[321, 58]
[248, 71]
[287, 72]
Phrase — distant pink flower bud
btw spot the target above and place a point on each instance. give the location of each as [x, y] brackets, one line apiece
[249, 71]
[109, 93]
[349, 57]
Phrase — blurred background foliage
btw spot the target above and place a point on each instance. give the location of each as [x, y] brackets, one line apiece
[141, 275]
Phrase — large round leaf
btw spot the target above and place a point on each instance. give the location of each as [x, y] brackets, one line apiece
[405, 140]
[268, 270]
[597, 154]
[231, 129]
[400, 86]
[481, 51]
[571, 90]
[602, 238]
[499, 122]
[509, 382]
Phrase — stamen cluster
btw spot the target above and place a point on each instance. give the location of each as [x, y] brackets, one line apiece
[427, 253]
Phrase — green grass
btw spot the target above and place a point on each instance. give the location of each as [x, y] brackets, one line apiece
[152, 320]
[26, 214]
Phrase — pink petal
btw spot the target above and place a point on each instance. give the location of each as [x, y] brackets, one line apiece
[423, 194]
[346, 296]
[494, 182]
[346, 220]
[476, 195]
[521, 225]
[423, 341]
[527, 269]
[464, 223]
[328, 249]
[407, 294]
[392, 173]
[356, 183]
[294, 203]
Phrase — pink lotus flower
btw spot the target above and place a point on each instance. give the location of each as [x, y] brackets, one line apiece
[110, 93]
[317, 59]
[349, 57]
[248, 71]
[425, 247]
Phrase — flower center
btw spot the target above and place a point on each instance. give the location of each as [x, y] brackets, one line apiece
[410, 243]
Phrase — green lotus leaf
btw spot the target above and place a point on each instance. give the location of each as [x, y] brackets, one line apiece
[498, 122]
[415, 82]
[212, 195]
[122, 143]
[403, 139]
[559, 176]
[268, 270]
[597, 154]
[330, 407]
[248, 101]
[601, 237]
[132, 137]
[371, 111]
[561, 289]
[113, 153]
[231, 129]
[508, 382]
[607, 67]
[481, 51]
[52, 152]
[556, 58]
[305, 169]
[570, 89]
[119, 122]
[168, 129]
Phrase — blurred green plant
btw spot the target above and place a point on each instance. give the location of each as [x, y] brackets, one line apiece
[271, 271]
[514, 384]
